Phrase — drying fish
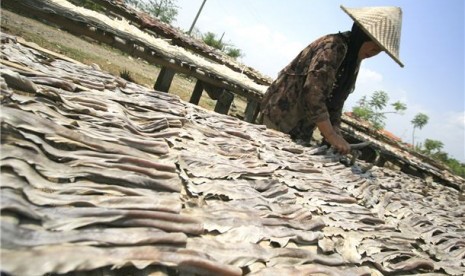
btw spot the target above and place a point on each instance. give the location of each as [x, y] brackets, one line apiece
[224, 168]
[163, 180]
[65, 219]
[14, 236]
[25, 176]
[15, 80]
[55, 82]
[13, 201]
[23, 119]
[63, 259]
[121, 175]
[314, 269]
[166, 202]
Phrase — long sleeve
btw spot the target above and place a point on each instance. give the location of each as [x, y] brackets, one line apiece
[320, 79]
[296, 100]
[336, 104]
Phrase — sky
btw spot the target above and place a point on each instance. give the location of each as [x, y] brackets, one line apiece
[271, 33]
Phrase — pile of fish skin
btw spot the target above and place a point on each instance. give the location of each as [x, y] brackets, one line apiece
[105, 177]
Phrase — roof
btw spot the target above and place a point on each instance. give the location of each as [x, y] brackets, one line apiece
[102, 175]
[390, 135]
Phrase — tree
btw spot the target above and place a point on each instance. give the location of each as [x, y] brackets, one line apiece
[234, 52]
[372, 110]
[379, 99]
[419, 121]
[165, 10]
[399, 107]
[456, 167]
[210, 39]
[441, 156]
[432, 146]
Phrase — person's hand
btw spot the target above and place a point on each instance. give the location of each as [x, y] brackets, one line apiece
[333, 137]
[339, 143]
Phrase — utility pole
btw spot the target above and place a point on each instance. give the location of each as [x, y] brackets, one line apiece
[196, 17]
[221, 39]
[219, 42]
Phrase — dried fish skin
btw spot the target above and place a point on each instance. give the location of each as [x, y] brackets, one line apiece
[164, 181]
[13, 200]
[60, 154]
[27, 121]
[22, 170]
[16, 236]
[199, 166]
[15, 80]
[165, 202]
[314, 269]
[65, 219]
[65, 258]
[54, 82]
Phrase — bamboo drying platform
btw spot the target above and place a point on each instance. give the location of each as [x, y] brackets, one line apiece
[221, 82]
[179, 38]
[385, 150]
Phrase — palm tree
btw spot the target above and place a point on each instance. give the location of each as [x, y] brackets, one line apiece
[419, 121]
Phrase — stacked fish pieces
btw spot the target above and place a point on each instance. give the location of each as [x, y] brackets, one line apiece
[429, 214]
[337, 207]
[88, 180]
[105, 176]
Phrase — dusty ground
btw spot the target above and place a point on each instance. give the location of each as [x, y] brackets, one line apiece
[109, 59]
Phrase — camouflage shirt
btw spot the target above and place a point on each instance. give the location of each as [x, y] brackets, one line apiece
[302, 93]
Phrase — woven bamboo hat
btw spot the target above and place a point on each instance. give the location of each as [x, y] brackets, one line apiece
[382, 24]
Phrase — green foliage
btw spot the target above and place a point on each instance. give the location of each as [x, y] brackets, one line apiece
[165, 10]
[420, 120]
[372, 110]
[399, 106]
[362, 112]
[211, 39]
[441, 156]
[379, 100]
[234, 52]
[433, 148]
[125, 74]
[456, 167]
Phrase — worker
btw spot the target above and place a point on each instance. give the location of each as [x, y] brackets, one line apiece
[310, 92]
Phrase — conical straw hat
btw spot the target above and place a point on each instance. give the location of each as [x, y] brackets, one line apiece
[382, 24]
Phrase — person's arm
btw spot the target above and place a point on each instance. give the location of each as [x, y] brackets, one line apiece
[335, 113]
[318, 85]
[333, 137]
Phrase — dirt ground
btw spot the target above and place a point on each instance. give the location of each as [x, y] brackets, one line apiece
[109, 59]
